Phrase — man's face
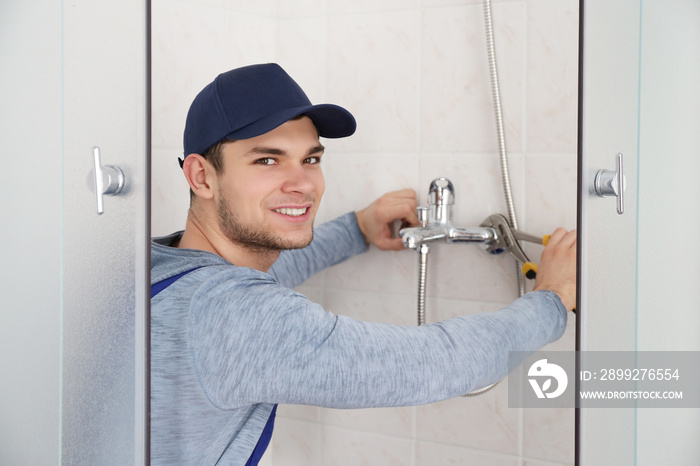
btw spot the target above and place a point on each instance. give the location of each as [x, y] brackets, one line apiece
[271, 187]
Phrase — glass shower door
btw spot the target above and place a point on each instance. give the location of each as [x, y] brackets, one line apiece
[639, 271]
[668, 259]
[73, 336]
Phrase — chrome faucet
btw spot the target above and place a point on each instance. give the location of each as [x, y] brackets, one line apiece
[436, 221]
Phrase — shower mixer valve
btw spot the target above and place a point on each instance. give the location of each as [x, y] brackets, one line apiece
[436, 221]
[494, 234]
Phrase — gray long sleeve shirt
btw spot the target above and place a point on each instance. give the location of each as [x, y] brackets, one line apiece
[228, 342]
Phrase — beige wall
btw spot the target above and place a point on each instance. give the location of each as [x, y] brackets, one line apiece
[415, 75]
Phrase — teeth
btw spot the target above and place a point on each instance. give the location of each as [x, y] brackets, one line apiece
[292, 212]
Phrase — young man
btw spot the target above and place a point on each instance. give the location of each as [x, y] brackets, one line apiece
[230, 337]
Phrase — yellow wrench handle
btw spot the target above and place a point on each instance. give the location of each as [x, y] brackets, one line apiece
[530, 268]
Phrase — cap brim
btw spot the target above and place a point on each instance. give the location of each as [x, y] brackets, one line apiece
[331, 121]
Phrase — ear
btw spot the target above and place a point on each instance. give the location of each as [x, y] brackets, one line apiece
[200, 175]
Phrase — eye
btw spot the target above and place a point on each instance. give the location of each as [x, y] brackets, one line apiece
[312, 160]
[266, 161]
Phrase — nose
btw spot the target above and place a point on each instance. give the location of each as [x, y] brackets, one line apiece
[302, 179]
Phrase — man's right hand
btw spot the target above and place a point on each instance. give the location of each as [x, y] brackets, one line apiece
[557, 269]
[375, 220]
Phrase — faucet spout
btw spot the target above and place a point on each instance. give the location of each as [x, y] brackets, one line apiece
[414, 237]
[486, 235]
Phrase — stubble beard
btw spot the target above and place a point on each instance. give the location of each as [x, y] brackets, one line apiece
[256, 238]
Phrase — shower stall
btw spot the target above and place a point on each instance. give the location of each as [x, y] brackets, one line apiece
[416, 75]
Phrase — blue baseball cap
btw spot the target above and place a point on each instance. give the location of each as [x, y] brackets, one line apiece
[250, 101]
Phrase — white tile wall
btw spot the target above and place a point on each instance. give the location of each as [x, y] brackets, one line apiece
[342, 447]
[301, 8]
[456, 99]
[415, 75]
[372, 68]
[344, 7]
[482, 422]
[552, 93]
[431, 454]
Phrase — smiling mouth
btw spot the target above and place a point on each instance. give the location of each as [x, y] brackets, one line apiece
[292, 212]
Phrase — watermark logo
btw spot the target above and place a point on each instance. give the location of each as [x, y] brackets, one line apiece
[547, 371]
[604, 379]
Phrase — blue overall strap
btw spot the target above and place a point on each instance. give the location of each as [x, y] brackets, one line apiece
[266, 435]
[163, 284]
[264, 440]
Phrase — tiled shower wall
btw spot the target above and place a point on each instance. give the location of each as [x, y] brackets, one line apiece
[415, 75]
